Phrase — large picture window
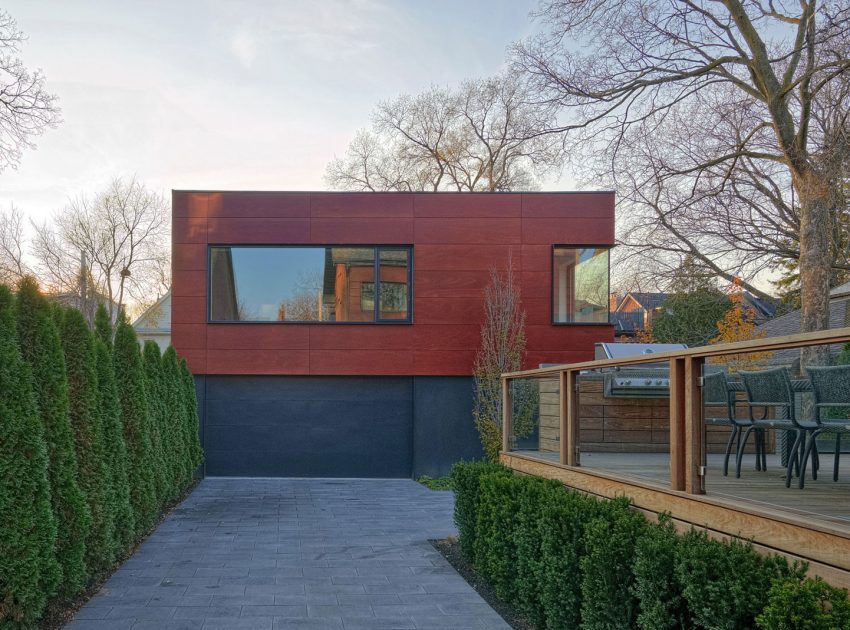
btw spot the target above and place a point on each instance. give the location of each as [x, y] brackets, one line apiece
[310, 284]
[580, 285]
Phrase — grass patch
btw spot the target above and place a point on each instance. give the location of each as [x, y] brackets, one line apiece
[436, 483]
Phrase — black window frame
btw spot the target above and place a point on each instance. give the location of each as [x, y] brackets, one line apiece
[375, 279]
[606, 246]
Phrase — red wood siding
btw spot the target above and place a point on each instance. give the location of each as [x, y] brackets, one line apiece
[456, 237]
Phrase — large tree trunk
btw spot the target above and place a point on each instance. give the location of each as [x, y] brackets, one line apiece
[815, 260]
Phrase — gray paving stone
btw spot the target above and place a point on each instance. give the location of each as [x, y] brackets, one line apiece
[316, 554]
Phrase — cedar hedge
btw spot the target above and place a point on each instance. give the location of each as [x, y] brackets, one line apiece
[569, 560]
[80, 412]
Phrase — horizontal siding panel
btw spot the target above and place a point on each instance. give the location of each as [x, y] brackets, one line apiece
[188, 310]
[447, 336]
[551, 206]
[536, 258]
[189, 257]
[448, 311]
[262, 204]
[252, 231]
[568, 231]
[365, 337]
[566, 337]
[535, 284]
[440, 284]
[251, 337]
[191, 282]
[352, 231]
[189, 204]
[443, 362]
[359, 205]
[265, 361]
[468, 205]
[195, 359]
[433, 257]
[447, 231]
[189, 336]
[365, 362]
[189, 230]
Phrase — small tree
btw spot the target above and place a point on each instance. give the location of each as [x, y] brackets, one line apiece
[502, 347]
[196, 453]
[29, 573]
[135, 417]
[42, 350]
[180, 461]
[115, 448]
[86, 419]
[157, 410]
[691, 317]
[103, 326]
[739, 325]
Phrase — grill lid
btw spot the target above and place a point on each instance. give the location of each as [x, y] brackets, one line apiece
[622, 350]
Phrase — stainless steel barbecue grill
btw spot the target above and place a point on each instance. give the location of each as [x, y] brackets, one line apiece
[648, 380]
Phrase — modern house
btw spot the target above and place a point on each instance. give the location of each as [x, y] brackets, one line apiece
[334, 334]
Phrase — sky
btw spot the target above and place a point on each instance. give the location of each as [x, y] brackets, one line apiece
[233, 95]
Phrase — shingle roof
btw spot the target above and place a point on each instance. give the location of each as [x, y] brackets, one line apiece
[649, 301]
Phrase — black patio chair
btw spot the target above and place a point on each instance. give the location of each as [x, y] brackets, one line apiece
[716, 393]
[768, 389]
[831, 388]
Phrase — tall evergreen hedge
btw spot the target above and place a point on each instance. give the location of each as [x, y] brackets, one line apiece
[154, 388]
[196, 453]
[179, 460]
[116, 451]
[103, 326]
[42, 350]
[135, 417]
[29, 572]
[86, 422]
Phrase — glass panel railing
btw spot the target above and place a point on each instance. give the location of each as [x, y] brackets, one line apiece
[535, 418]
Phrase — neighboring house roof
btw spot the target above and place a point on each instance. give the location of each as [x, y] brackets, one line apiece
[647, 301]
[789, 324]
[157, 318]
[627, 323]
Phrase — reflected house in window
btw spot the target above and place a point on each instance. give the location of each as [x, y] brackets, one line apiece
[334, 334]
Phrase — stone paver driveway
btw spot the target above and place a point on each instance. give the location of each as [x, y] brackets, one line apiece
[294, 553]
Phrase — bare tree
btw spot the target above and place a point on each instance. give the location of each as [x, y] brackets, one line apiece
[617, 66]
[481, 136]
[26, 108]
[123, 235]
[12, 246]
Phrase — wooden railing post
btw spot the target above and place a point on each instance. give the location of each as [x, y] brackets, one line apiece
[694, 430]
[507, 415]
[678, 443]
[568, 396]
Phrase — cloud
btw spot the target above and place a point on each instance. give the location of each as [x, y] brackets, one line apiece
[243, 45]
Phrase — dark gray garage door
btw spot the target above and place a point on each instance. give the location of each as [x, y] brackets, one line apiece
[279, 426]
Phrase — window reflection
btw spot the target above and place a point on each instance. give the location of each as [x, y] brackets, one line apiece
[308, 284]
[580, 285]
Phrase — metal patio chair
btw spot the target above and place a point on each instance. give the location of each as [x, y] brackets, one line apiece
[772, 389]
[831, 388]
[716, 393]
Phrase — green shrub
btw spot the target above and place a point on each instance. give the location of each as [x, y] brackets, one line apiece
[528, 538]
[563, 520]
[796, 604]
[607, 579]
[656, 588]
[465, 480]
[135, 418]
[42, 350]
[196, 453]
[29, 572]
[115, 448]
[725, 584]
[495, 545]
[78, 346]
[155, 391]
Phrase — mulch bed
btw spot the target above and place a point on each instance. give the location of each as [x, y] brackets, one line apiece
[59, 613]
[450, 550]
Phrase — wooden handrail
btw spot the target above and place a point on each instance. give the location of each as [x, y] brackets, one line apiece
[800, 340]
